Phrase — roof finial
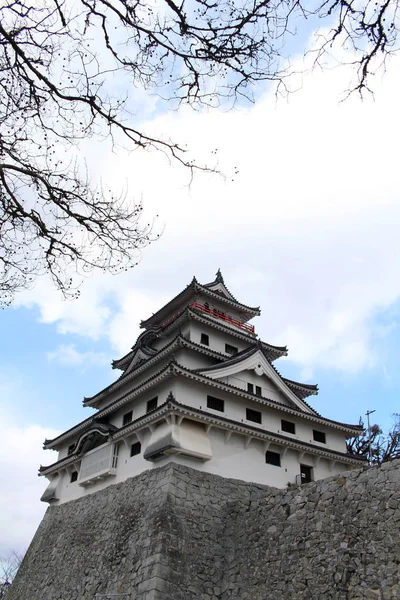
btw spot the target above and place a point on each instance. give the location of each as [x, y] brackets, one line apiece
[218, 276]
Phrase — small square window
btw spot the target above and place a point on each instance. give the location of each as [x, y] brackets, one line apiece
[152, 404]
[127, 418]
[250, 388]
[258, 390]
[204, 339]
[319, 436]
[74, 476]
[231, 349]
[288, 426]
[253, 415]
[136, 448]
[215, 403]
[273, 458]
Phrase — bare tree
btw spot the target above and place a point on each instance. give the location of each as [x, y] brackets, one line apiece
[383, 447]
[63, 65]
[9, 566]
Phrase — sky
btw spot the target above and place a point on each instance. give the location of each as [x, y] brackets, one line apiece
[308, 229]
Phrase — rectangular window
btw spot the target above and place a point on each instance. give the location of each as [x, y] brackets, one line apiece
[205, 340]
[127, 418]
[253, 415]
[71, 449]
[231, 349]
[273, 458]
[136, 448]
[152, 404]
[288, 426]
[114, 463]
[74, 476]
[250, 388]
[215, 403]
[319, 436]
[258, 390]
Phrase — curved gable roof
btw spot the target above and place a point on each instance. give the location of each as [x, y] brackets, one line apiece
[256, 359]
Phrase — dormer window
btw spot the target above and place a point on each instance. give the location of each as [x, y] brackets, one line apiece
[231, 349]
[204, 339]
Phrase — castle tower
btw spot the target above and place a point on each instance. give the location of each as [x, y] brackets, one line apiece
[200, 389]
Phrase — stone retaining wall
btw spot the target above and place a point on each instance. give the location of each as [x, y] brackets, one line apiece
[178, 534]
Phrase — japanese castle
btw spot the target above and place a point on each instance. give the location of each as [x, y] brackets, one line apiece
[199, 388]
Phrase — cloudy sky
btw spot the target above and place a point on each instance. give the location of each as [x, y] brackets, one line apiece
[308, 229]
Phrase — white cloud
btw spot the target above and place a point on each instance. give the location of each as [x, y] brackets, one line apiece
[68, 356]
[20, 506]
[307, 228]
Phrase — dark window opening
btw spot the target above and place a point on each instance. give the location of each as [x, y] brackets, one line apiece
[319, 436]
[253, 415]
[231, 349]
[273, 458]
[288, 426]
[74, 476]
[258, 390]
[305, 473]
[136, 448]
[127, 418]
[250, 388]
[205, 340]
[215, 403]
[71, 449]
[152, 404]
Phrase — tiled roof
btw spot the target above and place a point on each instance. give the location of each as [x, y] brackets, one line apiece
[178, 341]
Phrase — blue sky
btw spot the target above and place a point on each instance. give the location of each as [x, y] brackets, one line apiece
[308, 230]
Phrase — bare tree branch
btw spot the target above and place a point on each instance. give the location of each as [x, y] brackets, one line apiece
[383, 447]
[62, 67]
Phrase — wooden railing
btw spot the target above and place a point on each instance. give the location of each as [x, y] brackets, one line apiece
[220, 315]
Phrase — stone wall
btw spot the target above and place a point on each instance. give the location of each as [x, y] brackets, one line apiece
[174, 533]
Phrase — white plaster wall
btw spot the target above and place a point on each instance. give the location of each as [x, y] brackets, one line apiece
[230, 458]
[193, 360]
[195, 394]
[269, 389]
[137, 405]
[127, 467]
[217, 338]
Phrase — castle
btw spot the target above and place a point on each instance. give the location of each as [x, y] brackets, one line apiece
[200, 389]
[170, 491]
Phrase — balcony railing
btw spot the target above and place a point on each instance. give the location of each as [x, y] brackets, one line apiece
[220, 315]
[98, 464]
